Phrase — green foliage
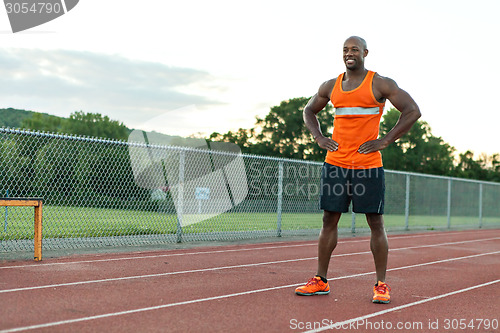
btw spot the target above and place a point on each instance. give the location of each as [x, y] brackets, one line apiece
[418, 150]
[285, 135]
[94, 125]
[13, 118]
[12, 165]
[43, 122]
[282, 133]
[485, 167]
[79, 123]
[244, 138]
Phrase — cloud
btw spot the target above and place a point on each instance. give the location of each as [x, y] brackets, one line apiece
[61, 81]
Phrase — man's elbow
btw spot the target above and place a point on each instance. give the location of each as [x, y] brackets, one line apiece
[415, 112]
[307, 113]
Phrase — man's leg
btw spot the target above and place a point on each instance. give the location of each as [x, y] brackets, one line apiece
[327, 241]
[378, 244]
[334, 198]
[318, 285]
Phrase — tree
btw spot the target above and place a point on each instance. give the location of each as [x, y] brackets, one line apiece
[282, 133]
[285, 134]
[13, 118]
[14, 168]
[242, 138]
[485, 167]
[43, 122]
[95, 125]
[418, 150]
[494, 167]
[78, 123]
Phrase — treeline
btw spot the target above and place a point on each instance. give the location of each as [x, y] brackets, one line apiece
[282, 133]
[78, 123]
[66, 171]
[13, 118]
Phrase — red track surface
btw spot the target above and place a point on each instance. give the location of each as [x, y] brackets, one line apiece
[247, 288]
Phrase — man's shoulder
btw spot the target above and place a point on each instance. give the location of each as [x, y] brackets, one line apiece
[383, 80]
[326, 87]
[330, 83]
[383, 86]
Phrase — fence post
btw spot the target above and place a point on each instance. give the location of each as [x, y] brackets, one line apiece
[280, 197]
[407, 203]
[353, 222]
[180, 200]
[448, 214]
[6, 214]
[480, 205]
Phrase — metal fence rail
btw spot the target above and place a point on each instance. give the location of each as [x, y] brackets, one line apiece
[113, 193]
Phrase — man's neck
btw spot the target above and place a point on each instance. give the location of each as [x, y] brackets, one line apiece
[356, 73]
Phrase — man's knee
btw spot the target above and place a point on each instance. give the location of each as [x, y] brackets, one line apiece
[375, 221]
[331, 219]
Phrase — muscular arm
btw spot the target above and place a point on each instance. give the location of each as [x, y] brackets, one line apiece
[315, 105]
[405, 104]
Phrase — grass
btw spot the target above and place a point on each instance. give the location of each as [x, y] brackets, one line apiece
[68, 222]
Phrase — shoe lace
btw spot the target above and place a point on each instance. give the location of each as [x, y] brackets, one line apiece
[312, 282]
[382, 288]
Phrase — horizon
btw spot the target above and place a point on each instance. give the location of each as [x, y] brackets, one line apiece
[224, 68]
[455, 153]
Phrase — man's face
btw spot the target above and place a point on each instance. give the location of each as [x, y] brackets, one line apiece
[354, 54]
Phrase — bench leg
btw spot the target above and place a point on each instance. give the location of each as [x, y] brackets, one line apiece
[38, 232]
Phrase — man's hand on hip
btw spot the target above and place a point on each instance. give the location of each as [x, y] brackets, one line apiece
[327, 143]
[372, 146]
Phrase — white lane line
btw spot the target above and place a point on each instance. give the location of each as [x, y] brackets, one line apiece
[396, 308]
[225, 267]
[158, 256]
[163, 306]
[150, 275]
[413, 266]
[42, 264]
[443, 244]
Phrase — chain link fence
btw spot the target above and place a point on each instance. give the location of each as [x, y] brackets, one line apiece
[112, 193]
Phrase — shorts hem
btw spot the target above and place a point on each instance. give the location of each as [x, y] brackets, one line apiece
[369, 212]
[335, 210]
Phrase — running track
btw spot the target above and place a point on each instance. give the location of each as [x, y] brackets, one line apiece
[439, 280]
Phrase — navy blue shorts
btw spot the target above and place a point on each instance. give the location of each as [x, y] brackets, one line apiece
[364, 187]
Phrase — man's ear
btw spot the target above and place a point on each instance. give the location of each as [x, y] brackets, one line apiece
[366, 52]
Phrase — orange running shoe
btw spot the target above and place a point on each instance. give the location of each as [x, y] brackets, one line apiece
[381, 293]
[314, 286]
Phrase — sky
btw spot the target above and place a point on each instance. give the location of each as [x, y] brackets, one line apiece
[197, 66]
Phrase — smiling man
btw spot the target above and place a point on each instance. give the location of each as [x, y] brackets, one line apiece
[353, 166]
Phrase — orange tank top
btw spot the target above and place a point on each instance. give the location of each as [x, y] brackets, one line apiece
[356, 120]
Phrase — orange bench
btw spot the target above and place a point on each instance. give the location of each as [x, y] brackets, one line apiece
[29, 202]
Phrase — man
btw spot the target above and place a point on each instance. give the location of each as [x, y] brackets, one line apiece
[353, 166]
